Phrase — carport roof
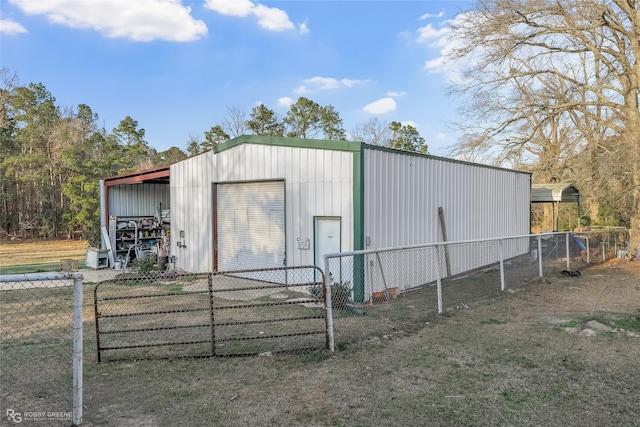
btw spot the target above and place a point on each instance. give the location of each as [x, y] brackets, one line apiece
[564, 192]
[159, 175]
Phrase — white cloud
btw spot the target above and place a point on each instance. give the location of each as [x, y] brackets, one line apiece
[429, 15]
[410, 123]
[381, 106]
[446, 43]
[351, 82]
[318, 84]
[285, 101]
[11, 28]
[140, 20]
[429, 32]
[239, 8]
[273, 19]
[394, 94]
[441, 136]
[304, 27]
[269, 18]
[321, 83]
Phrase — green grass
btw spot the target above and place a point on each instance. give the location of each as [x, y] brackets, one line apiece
[626, 321]
[35, 268]
[629, 323]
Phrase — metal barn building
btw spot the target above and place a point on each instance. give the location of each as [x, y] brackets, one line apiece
[257, 202]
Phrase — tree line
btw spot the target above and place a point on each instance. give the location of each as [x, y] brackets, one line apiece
[307, 119]
[547, 86]
[52, 158]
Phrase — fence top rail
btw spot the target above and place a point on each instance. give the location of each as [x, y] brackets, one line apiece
[34, 277]
[459, 242]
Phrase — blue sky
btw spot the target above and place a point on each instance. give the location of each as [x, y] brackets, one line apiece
[178, 66]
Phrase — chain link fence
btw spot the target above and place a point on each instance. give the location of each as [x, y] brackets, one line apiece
[376, 294]
[173, 315]
[373, 295]
[41, 349]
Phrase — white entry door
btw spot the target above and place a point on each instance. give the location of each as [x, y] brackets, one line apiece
[327, 238]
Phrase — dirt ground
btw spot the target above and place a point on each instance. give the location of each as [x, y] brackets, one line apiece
[19, 252]
[561, 352]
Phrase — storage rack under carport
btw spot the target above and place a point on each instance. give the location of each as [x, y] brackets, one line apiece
[135, 216]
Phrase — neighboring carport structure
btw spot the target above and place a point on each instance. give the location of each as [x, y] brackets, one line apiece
[556, 193]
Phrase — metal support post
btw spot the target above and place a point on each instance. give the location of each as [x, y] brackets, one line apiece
[327, 303]
[540, 255]
[501, 255]
[77, 350]
[439, 280]
[567, 248]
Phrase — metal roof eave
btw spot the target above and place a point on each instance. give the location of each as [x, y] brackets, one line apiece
[159, 175]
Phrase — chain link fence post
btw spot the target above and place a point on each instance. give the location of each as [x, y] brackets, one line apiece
[501, 256]
[78, 339]
[328, 305]
[439, 280]
[41, 341]
[539, 254]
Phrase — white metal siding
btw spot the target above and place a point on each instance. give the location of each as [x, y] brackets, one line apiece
[317, 183]
[191, 190]
[403, 193]
[250, 225]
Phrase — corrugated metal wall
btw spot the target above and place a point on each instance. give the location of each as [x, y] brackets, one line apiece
[138, 199]
[403, 193]
[402, 197]
[191, 191]
[317, 183]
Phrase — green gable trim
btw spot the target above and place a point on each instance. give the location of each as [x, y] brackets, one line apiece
[326, 144]
[320, 144]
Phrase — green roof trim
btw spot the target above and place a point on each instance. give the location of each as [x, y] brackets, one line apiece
[327, 144]
[321, 144]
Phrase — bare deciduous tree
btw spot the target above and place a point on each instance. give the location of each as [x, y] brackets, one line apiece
[373, 131]
[235, 122]
[555, 83]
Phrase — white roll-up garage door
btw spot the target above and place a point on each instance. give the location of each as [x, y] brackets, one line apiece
[250, 225]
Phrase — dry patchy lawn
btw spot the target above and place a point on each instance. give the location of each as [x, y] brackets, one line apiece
[40, 251]
[527, 358]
